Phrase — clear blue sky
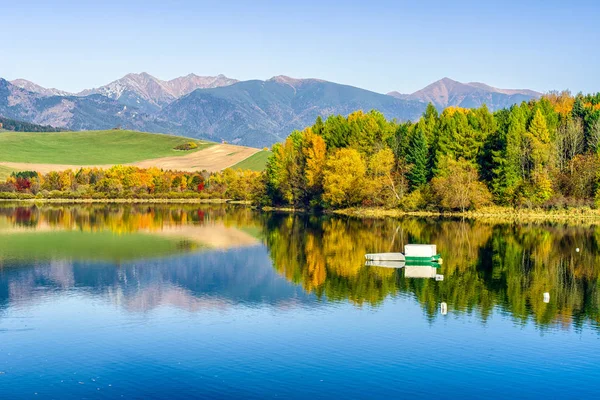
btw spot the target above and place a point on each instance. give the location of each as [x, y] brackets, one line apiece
[378, 45]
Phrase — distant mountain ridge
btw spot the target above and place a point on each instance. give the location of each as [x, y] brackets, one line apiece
[142, 90]
[254, 113]
[72, 112]
[447, 92]
[259, 113]
[35, 88]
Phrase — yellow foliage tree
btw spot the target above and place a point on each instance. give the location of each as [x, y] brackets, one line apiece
[458, 187]
[561, 102]
[314, 150]
[344, 178]
[383, 180]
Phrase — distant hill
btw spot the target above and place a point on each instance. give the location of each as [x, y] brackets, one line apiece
[253, 113]
[447, 92]
[21, 126]
[259, 113]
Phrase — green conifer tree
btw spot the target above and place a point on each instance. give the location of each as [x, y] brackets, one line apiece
[507, 173]
[538, 127]
[417, 155]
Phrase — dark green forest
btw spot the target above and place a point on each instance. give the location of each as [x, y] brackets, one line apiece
[21, 126]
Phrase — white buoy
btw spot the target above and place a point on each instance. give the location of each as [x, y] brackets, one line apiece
[546, 297]
[577, 249]
[439, 277]
[443, 308]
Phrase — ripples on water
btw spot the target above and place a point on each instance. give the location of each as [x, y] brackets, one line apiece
[188, 301]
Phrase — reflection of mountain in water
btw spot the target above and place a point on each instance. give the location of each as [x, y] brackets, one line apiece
[487, 267]
[191, 282]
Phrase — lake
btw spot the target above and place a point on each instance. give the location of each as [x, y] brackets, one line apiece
[188, 301]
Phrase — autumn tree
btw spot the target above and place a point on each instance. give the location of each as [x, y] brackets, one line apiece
[285, 180]
[570, 141]
[458, 186]
[594, 137]
[315, 151]
[344, 178]
[387, 186]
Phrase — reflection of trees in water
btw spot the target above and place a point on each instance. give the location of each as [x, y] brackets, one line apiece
[326, 256]
[121, 218]
[485, 265]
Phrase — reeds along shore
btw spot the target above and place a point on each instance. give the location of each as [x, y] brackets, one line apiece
[493, 214]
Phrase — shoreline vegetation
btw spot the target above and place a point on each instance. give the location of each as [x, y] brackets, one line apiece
[156, 200]
[537, 160]
[493, 213]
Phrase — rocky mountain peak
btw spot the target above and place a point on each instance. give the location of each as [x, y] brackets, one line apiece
[448, 92]
[35, 88]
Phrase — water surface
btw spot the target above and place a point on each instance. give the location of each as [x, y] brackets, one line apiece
[224, 302]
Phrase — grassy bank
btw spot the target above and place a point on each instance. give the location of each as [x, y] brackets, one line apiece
[90, 147]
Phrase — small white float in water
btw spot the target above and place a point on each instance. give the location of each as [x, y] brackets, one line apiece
[443, 308]
[546, 297]
[577, 249]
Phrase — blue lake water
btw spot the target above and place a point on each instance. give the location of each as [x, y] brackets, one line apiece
[220, 302]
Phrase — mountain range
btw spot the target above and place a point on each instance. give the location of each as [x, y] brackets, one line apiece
[447, 92]
[254, 113]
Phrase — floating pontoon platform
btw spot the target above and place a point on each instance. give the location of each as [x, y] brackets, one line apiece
[414, 254]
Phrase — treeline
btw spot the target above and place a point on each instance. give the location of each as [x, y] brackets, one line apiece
[131, 182]
[22, 126]
[544, 153]
[541, 153]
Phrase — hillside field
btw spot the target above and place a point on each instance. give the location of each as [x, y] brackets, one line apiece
[256, 162]
[89, 147]
[56, 151]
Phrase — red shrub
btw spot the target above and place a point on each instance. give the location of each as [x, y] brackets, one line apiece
[22, 184]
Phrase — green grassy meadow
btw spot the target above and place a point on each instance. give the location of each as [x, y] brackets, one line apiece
[89, 147]
[256, 162]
